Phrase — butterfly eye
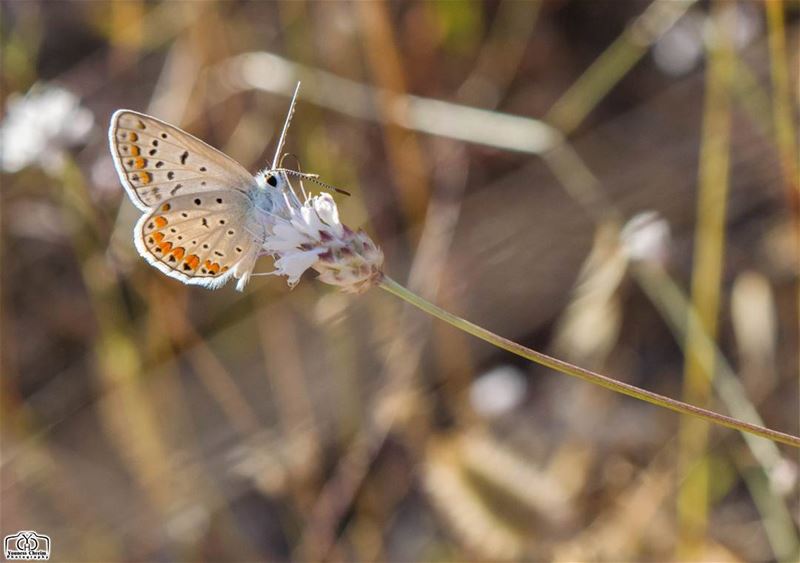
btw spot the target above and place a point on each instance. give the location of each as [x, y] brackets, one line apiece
[272, 181]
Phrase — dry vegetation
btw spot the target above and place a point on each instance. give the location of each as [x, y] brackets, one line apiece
[147, 420]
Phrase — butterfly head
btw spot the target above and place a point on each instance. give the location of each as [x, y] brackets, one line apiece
[270, 179]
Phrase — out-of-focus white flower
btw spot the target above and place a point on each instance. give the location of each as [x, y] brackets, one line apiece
[498, 391]
[39, 126]
[647, 237]
[682, 48]
[309, 235]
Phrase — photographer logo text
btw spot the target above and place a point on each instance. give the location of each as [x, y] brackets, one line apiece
[26, 545]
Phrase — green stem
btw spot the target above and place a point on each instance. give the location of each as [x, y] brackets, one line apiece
[564, 367]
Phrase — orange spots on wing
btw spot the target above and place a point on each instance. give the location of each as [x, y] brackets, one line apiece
[166, 207]
[140, 162]
[165, 247]
[179, 252]
[160, 222]
[225, 269]
[146, 178]
[211, 267]
[133, 136]
[158, 236]
[135, 150]
[193, 261]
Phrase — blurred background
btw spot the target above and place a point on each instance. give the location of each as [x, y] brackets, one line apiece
[612, 182]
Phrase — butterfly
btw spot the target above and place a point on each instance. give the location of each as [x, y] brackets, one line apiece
[205, 216]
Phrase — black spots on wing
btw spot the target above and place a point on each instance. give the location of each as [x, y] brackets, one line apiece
[184, 156]
[150, 225]
[160, 163]
[230, 232]
[205, 247]
[205, 223]
[163, 135]
[184, 214]
[151, 240]
[172, 258]
[174, 190]
[218, 253]
[203, 169]
[171, 175]
[219, 200]
[186, 267]
[155, 142]
[222, 221]
[141, 125]
[272, 181]
[173, 230]
[130, 163]
[239, 249]
[197, 201]
[152, 152]
[203, 183]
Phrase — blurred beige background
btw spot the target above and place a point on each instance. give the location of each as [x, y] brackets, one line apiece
[571, 174]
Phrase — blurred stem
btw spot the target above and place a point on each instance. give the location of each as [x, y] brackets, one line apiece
[782, 113]
[709, 248]
[405, 155]
[615, 62]
[569, 369]
[126, 412]
[673, 305]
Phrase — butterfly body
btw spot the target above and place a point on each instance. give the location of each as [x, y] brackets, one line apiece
[206, 218]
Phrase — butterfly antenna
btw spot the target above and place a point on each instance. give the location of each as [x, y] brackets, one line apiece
[299, 169]
[286, 124]
[286, 155]
[314, 178]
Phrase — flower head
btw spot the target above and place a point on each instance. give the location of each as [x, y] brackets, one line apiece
[309, 235]
[40, 125]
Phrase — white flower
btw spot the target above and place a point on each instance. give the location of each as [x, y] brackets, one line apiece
[310, 235]
[498, 391]
[39, 126]
[646, 237]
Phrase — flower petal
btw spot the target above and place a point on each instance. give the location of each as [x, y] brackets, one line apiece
[287, 233]
[308, 221]
[293, 264]
[326, 209]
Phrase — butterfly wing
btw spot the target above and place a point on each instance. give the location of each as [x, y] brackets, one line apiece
[198, 213]
[203, 238]
[156, 161]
